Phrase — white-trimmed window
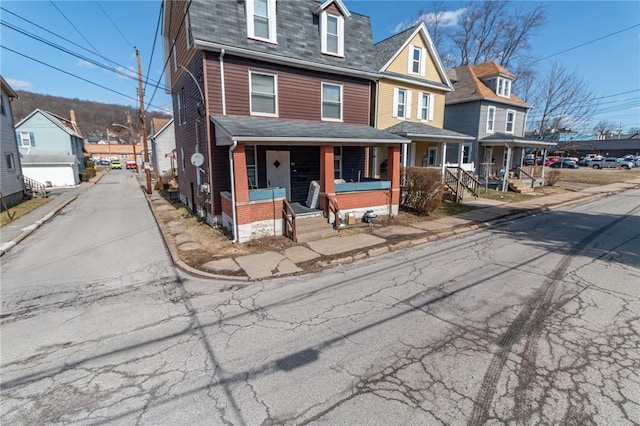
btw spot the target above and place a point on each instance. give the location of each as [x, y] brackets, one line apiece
[183, 160]
[417, 60]
[511, 121]
[261, 20]
[466, 153]
[332, 102]
[503, 87]
[402, 103]
[337, 162]
[264, 90]
[26, 139]
[11, 165]
[425, 106]
[252, 166]
[175, 56]
[491, 119]
[332, 34]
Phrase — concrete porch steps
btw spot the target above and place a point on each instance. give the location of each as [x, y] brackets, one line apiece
[520, 187]
[313, 228]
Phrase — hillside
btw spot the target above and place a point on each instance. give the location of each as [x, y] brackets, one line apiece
[93, 118]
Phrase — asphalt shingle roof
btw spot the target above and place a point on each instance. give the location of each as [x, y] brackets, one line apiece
[386, 48]
[504, 138]
[298, 35]
[411, 128]
[602, 145]
[252, 127]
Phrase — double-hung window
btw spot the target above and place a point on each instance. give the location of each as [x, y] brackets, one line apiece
[264, 89]
[503, 87]
[331, 102]
[491, 119]
[252, 167]
[182, 107]
[337, 162]
[416, 60]
[425, 105]
[401, 103]
[261, 20]
[25, 139]
[332, 37]
[511, 120]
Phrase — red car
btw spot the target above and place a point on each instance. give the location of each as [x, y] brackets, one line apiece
[551, 160]
[131, 164]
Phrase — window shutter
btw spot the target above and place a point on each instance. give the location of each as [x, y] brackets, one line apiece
[423, 61]
[249, 10]
[410, 59]
[420, 103]
[323, 32]
[33, 139]
[341, 36]
[394, 109]
[407, 110]
[431, 106]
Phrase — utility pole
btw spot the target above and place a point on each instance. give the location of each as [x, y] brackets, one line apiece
[143, 122]
[133, 141]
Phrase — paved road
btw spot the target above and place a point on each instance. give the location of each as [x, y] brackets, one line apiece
[533, 322]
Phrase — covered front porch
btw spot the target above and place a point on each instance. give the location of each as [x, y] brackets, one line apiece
[502, 162]
[282, 170]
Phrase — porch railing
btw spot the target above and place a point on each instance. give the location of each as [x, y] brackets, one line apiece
[289, 216]
[458, 179]
[34, 186]
[522, 172]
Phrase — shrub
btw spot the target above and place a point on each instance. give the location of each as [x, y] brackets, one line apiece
[553, 177]
[423, 190]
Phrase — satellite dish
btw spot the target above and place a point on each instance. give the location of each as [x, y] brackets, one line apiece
[197, 159]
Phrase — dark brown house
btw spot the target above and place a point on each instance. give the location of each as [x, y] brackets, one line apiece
[274, 96]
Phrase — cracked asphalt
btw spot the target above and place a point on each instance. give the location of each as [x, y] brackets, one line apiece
[535, 321]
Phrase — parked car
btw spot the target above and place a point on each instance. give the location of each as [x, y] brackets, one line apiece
[606, 163]
[585, 161]
[115, 164]
[625, 163]
[131, 164]
[564, 163]
[551, 160]
[105, 162]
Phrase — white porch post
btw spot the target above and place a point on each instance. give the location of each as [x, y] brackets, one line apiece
[444, 158]
[460, 153]
[505, 178]
[544, 158]
[404, 154]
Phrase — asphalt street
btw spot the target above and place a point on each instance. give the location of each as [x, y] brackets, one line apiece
[535, 321]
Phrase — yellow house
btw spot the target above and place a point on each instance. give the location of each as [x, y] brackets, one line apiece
[410, 99]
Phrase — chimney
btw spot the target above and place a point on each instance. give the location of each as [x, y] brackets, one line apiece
[72, 116]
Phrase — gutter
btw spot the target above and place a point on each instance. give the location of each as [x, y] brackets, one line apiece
[233, 193]
[319, 140]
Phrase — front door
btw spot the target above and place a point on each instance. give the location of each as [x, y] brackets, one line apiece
[279, 170]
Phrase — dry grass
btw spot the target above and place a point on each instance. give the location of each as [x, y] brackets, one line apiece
[21, 209]
[591, 176]
[507, 197]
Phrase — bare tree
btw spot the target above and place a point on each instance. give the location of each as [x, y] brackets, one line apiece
[563, 100]
[603, 128]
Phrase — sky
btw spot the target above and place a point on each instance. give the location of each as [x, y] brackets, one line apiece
[599, 40]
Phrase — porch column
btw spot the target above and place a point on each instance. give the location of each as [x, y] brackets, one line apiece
[444, 158]
[240, 178]
[460, 153]
[505, 178]
[393, 174]
[544, 158]
[327, 175]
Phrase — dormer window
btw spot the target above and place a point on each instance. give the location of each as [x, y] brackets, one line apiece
[261, 20]
[503, 87]
[332, 33]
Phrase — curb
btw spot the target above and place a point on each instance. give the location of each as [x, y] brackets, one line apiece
[26, 231]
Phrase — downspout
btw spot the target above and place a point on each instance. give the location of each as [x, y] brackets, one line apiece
[233, 193]
[222, 91]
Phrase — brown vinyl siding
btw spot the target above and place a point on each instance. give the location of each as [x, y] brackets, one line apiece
[177, 30]
[299, 91]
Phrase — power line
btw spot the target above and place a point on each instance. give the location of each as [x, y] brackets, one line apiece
[153, 48]
[114, 25]
[78, 77]
[589, 42]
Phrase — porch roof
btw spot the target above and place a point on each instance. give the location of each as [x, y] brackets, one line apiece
[502, 138]
[278, 131]
[424, 132]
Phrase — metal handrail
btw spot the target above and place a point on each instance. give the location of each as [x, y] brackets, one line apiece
[333, 207]
[289, 216]
[33, 184]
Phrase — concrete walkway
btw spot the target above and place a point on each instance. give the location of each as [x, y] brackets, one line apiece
[343, 248]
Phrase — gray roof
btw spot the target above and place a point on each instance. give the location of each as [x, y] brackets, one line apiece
[601, 145]
[385, 49]
[252, 128]
[417, 80]
[298, 35]
[48, 157]
[500, 138]
[407, 128]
